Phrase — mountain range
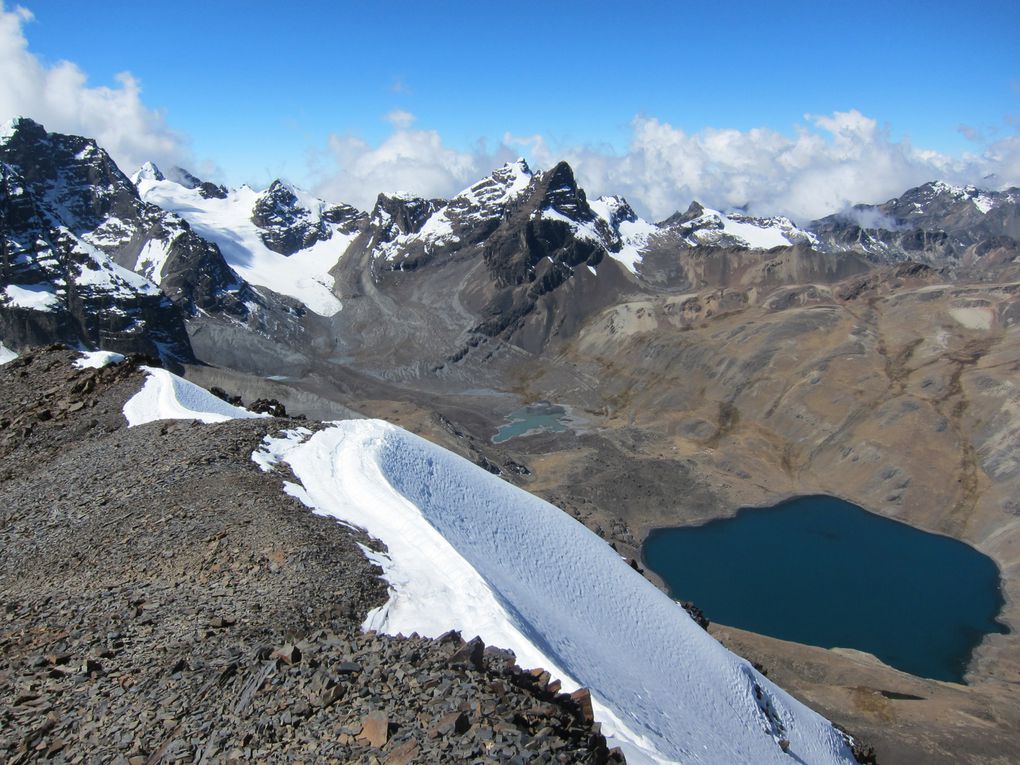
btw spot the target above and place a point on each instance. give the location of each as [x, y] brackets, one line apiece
[95, 257]
[711, 360]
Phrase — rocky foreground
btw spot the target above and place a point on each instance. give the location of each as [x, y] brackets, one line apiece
[165, 601]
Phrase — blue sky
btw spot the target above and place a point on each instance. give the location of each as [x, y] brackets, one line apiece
[257, 90]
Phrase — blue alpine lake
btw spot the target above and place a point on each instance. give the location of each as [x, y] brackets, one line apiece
[822, 571]
[533, 418]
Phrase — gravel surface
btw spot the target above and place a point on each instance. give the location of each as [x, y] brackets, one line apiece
[164, 601]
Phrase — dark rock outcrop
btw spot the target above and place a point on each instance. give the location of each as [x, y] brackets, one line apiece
[287, 226]
[74, 232]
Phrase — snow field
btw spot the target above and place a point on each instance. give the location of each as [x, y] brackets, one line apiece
[303, 276]
[466, 550]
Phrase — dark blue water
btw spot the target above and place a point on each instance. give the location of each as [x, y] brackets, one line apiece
[825, 572]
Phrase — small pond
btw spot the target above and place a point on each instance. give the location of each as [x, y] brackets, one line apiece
[825, 572]
[533, 418]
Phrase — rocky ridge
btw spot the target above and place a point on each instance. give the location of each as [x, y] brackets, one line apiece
[164, 601]
[290, 223]
[964, 229]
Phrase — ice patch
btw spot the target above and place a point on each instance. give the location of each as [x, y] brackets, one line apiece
[6, 354]
[165, 396]
[469, 551]
[151, 260]
[34, 297]
[97, 359]
[983, 203]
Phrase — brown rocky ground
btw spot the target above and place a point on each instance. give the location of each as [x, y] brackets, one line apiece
[164, 601]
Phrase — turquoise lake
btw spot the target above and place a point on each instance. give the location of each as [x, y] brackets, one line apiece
[533, 418]
[821, 571]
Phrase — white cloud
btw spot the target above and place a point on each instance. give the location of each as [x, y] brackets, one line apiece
[830, 162]
[827, 163]
[400, 119]
[408, 160]
[60, 98]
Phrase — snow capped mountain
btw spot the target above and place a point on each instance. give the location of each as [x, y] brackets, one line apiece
[69, 219]
[936, 223]
[455, 538]
[407, 231]
[983, 201]
[702, 226]
[489, 197]
[282, 238]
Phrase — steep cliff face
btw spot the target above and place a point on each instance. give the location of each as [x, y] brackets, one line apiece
[70, 222]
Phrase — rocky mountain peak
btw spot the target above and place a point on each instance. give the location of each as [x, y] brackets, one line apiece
[289, 221]
[24, 127]
[936, 223]
[489, 197]
[403, 213]
[694, 210]
[147, 172]
[347, 217]
[559, 191]
[614, 210]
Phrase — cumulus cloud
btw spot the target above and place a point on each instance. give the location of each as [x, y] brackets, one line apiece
[60, 98]
[829, 163]
[408, 160]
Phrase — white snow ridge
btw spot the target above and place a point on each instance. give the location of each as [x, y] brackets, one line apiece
[165, 396]
[469, 551]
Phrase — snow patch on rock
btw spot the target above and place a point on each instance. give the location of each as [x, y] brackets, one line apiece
[6, 354]
[165, 396]
[97, 359]
[33, 297]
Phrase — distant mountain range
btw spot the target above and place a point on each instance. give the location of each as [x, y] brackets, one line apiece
[95, 258]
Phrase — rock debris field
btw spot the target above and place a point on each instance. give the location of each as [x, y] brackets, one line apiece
[164, 601]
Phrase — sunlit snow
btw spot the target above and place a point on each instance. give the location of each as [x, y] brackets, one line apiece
[97, 359]
[634, 234]
[34, 297]
[6, 354]
[469, 551]
[165, 396]
[303, 276]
